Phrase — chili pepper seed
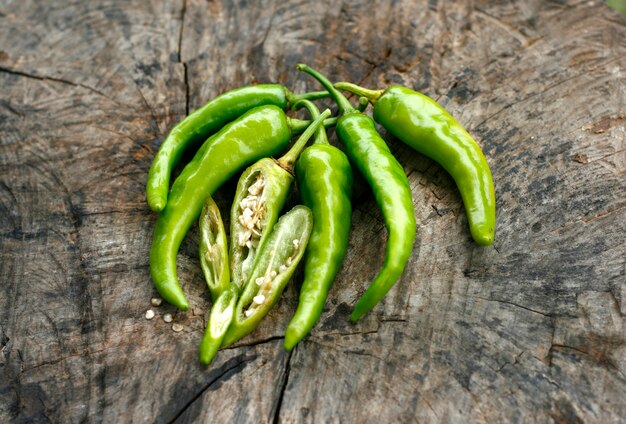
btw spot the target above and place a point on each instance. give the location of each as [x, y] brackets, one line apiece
[177, 328]
[167, 318]
[156, 301]
[149, 314]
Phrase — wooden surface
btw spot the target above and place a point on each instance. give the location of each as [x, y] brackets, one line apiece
[531, 329]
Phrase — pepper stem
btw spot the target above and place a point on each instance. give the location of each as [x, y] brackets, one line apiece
[299, 125]
[320, 135]
[293, 99]
[371, 95]
[344, 105]
[291, 156]
[363, 102]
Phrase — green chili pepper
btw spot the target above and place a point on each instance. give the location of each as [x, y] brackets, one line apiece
[260, 132]
[261, 193]
[214, 263]
[325, 185]
[213, 249]
[277, 261]
[421, 123]
[221, 316]
[203, 122]
[368, 151]
[251, 217]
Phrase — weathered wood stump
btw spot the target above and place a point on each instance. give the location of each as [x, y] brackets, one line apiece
[531, 329]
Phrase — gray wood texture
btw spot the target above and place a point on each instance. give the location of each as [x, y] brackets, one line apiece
[530, 330]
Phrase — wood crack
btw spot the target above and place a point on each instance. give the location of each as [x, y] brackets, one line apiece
[283, 389]
[513, 304]
[515, 361]
[180, 56]
[64, 358]
[374, 65]
[55, 79]
[255, 343]
[357, 333]
[220, 376]
[155, 122]
[525, 99]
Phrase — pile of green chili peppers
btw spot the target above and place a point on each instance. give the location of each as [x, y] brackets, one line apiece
[243, 130]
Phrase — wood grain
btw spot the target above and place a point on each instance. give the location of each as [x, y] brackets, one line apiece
[531, 329]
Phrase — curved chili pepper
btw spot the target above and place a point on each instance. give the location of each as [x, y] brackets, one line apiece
[277, 261]
[261, 193]
[260, 132]
[324, 180]
[368, 151]
[421, 123]
[206, 120]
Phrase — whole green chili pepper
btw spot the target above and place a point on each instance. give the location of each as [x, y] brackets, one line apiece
[325, 184]
[421, 123]
[368, 151]
[277, 261]
[260, 132]
[261, 193]
[206, 120]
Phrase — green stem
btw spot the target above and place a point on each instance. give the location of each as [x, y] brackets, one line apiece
[344, 105]
[371, 95]
[320, 135]
[293, 99]
[363, 102]
[299, 125]
[291, 156]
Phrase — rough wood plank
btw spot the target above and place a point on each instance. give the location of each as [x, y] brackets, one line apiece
[531, 329]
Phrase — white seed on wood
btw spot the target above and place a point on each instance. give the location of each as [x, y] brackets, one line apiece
[167, 317]
[156, 301]
[149, 314]
[177, 327]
